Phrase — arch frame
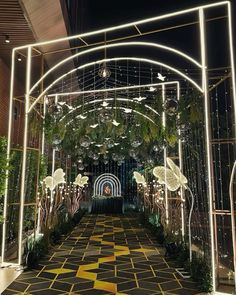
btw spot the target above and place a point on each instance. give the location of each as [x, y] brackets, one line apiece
[202, 38]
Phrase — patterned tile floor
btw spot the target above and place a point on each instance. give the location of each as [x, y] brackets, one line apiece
[105, 254]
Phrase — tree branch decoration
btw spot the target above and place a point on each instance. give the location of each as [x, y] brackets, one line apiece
[174, 179]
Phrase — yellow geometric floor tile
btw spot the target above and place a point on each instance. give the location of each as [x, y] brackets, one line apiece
[59, 270]
[106, 286]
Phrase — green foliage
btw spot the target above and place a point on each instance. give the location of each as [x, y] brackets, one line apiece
[34, 251]
[201, 272]
[65, 226]
[3, 167]
[3, 163]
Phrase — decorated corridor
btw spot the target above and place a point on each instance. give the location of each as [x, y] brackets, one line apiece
[105, 254]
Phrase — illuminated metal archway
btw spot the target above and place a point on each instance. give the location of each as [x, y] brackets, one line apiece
[201, 11]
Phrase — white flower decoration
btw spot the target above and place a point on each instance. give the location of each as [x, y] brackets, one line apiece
[139, 178]
[81, 180]
[172, 178]
[52, 181]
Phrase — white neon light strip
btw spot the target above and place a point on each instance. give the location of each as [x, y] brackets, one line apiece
[150, 61]
[231, 195]
[43, 131]
[147, 44]
[181, 168]
[8, 157]
[165, 155]
[119, 27]
[208, 147]
[231, 47]
[111, 89]
[22, 191]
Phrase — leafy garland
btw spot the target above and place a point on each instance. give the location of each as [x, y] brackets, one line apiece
[3, 167]
[67, 132]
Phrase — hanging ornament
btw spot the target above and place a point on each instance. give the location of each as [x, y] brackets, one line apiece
[114, 157]
[156, 148]
[79, 152]
[133, 153]
[104, 72]
[105, 161]
[81, 166]
[56, 139]
[136, 142]
[171, 107]
[150, 161]
[56, 111]
[85, 141]
[110, 143]
[80, 160]
[95, 163]
[95, 156]
[105, 116]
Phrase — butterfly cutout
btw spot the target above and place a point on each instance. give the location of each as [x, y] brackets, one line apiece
[172, 177]
[139, 178]
[94, 126]
[52, 181]
[104, 104]
[140, 98]
[128, 111]
[115, 123]
[161, 77]
[81, 180]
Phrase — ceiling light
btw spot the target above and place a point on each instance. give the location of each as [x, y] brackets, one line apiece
[19, 57]
[7, 39]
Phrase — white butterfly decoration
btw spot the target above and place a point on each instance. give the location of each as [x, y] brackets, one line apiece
[172, 178]
[127, 111]
[82, 117]
[161, 77]
[139, 178]
[104, 104]
[115, 123]
[52, 181]
[81, 180]
[94, 126]
[140, 98]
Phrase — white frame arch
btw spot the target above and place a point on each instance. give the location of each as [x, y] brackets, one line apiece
[139, 59]
[200, 10]
[110, 178]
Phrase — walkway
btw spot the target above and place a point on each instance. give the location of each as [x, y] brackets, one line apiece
[104, 255]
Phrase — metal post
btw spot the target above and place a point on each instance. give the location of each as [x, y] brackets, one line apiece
[22, 191]
[8, 156]
[165, 155]
[208, 146]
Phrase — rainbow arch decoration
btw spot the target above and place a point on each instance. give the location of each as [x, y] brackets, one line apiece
[104, 180]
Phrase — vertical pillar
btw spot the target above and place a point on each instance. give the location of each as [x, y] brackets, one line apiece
[8, 157]
[181, 168]
[25, 142]
[232, 61]
[208, 143]
[165, 155]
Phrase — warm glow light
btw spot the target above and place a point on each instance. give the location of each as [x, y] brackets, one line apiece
[208, 144]
[23, 173]
[184, 76]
